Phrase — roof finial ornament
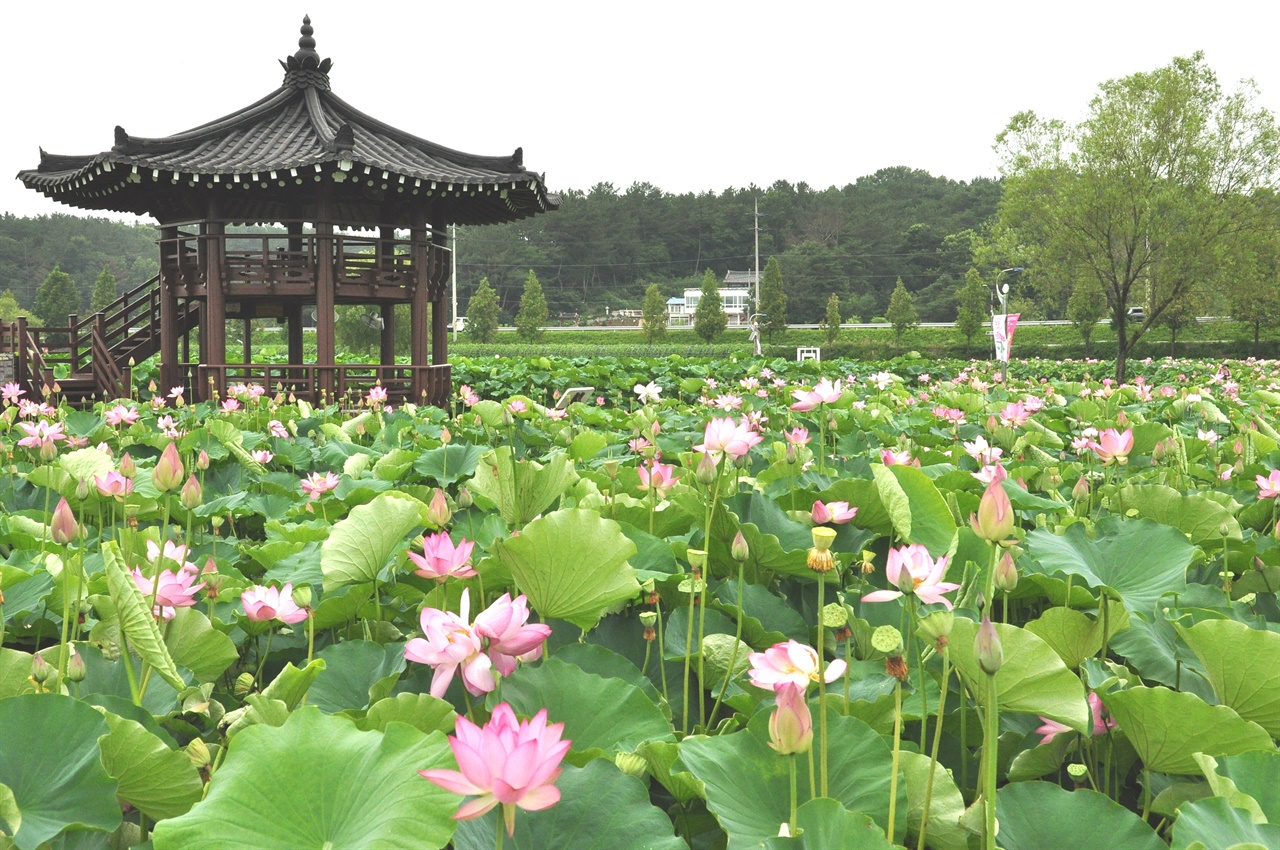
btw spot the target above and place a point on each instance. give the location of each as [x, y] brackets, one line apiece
[306, 68]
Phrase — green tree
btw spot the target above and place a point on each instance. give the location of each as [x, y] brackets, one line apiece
[831, 320]
[482, 313]
[57, 298]
[1086, 306]
[104, 290]
[773, 300]
[655, 313]
[902, 312]
[709, 320]
[533, 310]
[1151, 192]
[971, 308]
[10, 310]
[1181, 314]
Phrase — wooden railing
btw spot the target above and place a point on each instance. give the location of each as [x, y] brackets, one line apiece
[31, 354]
[351, 382]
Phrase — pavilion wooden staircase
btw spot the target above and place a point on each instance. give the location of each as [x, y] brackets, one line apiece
[91, 357]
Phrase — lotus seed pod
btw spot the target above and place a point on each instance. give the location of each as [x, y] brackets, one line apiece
[834, 615]
[886, 639]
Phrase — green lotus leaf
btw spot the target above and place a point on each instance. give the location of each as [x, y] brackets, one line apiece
[1045, 816]
[318, 781]
[194, 643]
[1240, 664]
[521, 489]
[136, 622]
[355, 674]
[421, 711]
[1253, 775]
[1215, 824]
[158, 781]
[1194, 514]
[1075, 636]
[1138, 560]
[823, 824]
[50, 766]
[449, 464]
[86, 464]
[572, 564]
[945, 807]
[1033, 678]
[358, 547]
[394, 464]
[1168, 728]
[919, 513]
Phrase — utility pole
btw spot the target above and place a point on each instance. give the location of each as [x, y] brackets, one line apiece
[757, 234]
[453, 275]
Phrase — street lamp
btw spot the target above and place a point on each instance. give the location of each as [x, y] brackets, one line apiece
[1002, 291]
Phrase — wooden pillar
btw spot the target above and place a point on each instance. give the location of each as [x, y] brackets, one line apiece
[215, 324]
[326, 292]
[170, 374]
[293, 317]
[439, 312]
[420, 306]
[248, 342]
[388, 354]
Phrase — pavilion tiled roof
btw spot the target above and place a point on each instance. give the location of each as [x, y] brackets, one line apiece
[275, 151]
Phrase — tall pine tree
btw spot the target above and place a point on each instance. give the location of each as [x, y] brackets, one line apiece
[902, 312]
[104, 290]
[709, 320]
[533, 310]
[482, 313]
[831, 321]
[57, 298]
[773, 300]
[655, 314]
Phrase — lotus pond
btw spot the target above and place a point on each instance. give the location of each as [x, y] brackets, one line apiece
[728, 605]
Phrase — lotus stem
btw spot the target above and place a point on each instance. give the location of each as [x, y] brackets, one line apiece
[990, 763]
[822, 692]
[933, 755]
[791, 761]
[737, 641]
[897, 750]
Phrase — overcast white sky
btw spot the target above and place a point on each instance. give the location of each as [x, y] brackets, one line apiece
[688, 96]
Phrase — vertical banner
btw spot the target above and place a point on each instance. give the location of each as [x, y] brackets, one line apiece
[1011, 324]
[1000, 333]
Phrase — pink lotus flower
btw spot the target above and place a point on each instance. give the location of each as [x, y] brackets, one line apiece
[316, 485]
[1014, 415]
[172, 590]
[440, 559]
[923, 576]
[660, 477]
[797, 436]
[450, 642]
[889, 457]
[231, 405]
[262, 456]
[724, 436]
[121, 415]
[507, 762]
[790, 663]
[377, 396]
[833, 512]
[825, 392]
[168, 473]
[510, 638]
[469, 396]
[1102, 722]
[1114, 446]
[994, 520]
[1269, 486]
[43, 437]
[517, 406]
[791, 724]
[113, 485]
[11, 392]
[1050, 729]
[271, 603]
[173, 553]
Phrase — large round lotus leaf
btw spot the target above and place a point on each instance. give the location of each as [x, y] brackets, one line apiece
[945, 807]
[1194, 514]
[1254, 774]
[361, 542]
[824, 824]
[1138, 560]
[1242, 665]
[600, 807]
[600, 716]
[748, 784]
[448, 464]
[1045, 816]
[572, 564]
[50, 766]
[319, 782]
[158, 781]
[1168, 728]
[195, 644]
[1033, 678]
[1217, 825]
[521, 489]
[919, 513]
[356, 673]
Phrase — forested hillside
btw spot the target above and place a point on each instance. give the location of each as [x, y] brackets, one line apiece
[605, 246]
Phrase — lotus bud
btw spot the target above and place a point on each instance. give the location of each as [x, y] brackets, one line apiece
[987, 648]
[64, 528]
[631, 764]
[992, 424]
[445, 437]
[820, 559]
[1006, 577]
[1080, 492]
[192, 494]
[739, 550]
[1159, 451]
[302, 596]
[507, 419]
[994, 519]
[168, 471]
[706, 471]
[202, 460]
[82, 490]
[438, 512]
[1122, 419]
[791, 724]
[76, 670]
[1224, 528]
[1239, 447]
[127, 467]
[40, 669]
[464, 498]
[791, 453]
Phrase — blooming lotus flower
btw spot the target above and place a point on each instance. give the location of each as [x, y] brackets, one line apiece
[790, 663]
[1269, 486]
[834, 512]
[1101, 722]
[440, 559]
[172, 590]
[649, 392]
[121, 415]
[316, 485]
[791, 724]
[1050, 729]
[889, 457]
[923, 576]
[42, 436]
[174, 553]
[276, 429]
[449, 642]
[262, 456]
[724, 436]
[231, 405]
[510, 638]
[516, 406]
[658, 476]
[507, 762]
[377, 396]
[1112, 445]
[825, 392]
[1014, 415]
[12, 392]
[113, 485]
[797, 436]
[271, 603]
